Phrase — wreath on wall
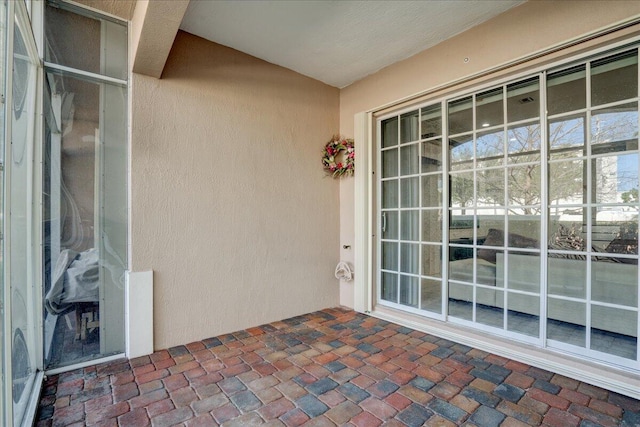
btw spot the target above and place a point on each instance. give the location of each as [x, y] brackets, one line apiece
[338, 157]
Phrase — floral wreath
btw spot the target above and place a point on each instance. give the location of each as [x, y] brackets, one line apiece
[333, 148]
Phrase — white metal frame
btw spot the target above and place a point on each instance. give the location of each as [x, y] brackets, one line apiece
[99, 78]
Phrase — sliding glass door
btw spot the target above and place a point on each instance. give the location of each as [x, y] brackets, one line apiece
[495, 208]
[593, 207]
[533, 186]
[411, 210]
[20, 215]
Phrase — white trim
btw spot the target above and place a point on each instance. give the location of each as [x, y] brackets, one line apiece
[74, 72]
[129, 148]
[91, 362]
[37, 229]
[363, 255]
[138, 314]
[37, 24]
[34, 399]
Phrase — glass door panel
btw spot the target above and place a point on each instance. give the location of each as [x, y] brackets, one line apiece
[85, 219]
[592, 266]
[411, 209]
[19, 167]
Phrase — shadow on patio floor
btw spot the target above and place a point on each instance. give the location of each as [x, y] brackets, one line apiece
[331, 367]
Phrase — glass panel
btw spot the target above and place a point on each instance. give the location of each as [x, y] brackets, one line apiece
[390, 256]
[615, 129]
[615, 230]
[567, 275]
[431, 295]
[432, 156]
[566, 90]
[524, 228]
[409, 291]
[524, 143]
[86, 217]
[490, 149]
[614, 282]
[523, 185]
[486, 266]
[461, 264]
[524, 271]
[615, 178]
[460, 116]
[431, 121]
[432, 190]
[409, 127]
[614, 78]
[523, 314]
[566, 230]
[409, 225]
[566, 321]
[389, 289]
[409, 160]
[409, 258]
[489, 307]
[432, 260]
[432, 225]
[567, 136]
[390, 225]
[86, 43]
[461, 227]
[566, 182]
[490, 187]
[614, 331]
[460, 301]
[489, 108]
[20, 193]
[523, 100]
[390, 163]
[410, 193]
[461, 152]
[490, 228]
[390, 194]
[390, 132]
[461, 192]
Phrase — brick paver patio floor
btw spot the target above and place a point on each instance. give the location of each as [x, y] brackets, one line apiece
[332, 367]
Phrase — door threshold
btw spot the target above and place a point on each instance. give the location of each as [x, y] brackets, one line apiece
[56, 371]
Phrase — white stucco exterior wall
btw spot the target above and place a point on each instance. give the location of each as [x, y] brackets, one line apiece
[231, 208]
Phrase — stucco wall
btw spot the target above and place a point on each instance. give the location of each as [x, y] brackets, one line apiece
[230, 205]
[120, 8]
[517, 33]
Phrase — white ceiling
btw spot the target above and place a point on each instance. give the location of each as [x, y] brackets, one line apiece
[336, 42]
